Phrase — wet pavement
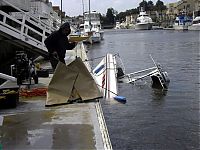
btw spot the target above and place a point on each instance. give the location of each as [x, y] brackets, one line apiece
[31, 125]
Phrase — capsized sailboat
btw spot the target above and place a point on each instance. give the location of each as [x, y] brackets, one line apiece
[106, 77]
[160, 78]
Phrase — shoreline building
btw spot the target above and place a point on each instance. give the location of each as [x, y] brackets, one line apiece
[188, 6]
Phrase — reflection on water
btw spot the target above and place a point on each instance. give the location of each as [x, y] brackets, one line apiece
[159, 94]
[152, 118]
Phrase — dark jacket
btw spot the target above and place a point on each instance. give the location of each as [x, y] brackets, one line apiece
[58, 42]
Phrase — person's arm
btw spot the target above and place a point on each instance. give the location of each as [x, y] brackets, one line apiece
[71, 45]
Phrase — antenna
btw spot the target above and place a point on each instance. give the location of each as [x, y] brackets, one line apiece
[89, 17]
[83, 7]
[61, 11]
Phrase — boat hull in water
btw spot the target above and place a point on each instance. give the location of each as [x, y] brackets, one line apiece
[195, 24]
[180, 27]
[147, 26]
[160, 80]
[105, 75]
[96, 37]
[194, 27]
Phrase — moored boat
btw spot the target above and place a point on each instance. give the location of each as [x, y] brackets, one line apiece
[143, 22]
[182, 22]
[195, 24]
[92, 26]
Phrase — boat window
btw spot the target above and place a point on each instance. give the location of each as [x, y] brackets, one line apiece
[196, 22]
[138, 21]
[176, 21]
[86, 17]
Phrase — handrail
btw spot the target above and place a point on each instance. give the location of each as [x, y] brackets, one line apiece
[22, 26]
[36, 19]
[19, 29]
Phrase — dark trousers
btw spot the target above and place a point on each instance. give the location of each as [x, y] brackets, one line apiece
[54, 61]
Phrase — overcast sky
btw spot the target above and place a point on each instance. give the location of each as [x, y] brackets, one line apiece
[75, 7]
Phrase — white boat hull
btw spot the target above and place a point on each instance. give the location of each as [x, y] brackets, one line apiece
[147, 26]
[194, 27]
[105, 74]
[96, 39]
[101, 34]
[180, 27]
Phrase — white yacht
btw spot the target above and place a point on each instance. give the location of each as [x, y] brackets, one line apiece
[117, 26]
[92, 26]
[143, 22]
[195, 24]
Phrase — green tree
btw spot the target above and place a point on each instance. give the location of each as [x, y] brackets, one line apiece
[160, 6]
[143, 5]
[110, 15]
[121, 16]
[150, 5]
[103, 19]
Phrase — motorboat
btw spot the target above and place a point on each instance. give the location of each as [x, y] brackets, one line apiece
[143, 21]
[92, 26]
[120, 25]
[195, 24]
[182, 22]
[117, 26]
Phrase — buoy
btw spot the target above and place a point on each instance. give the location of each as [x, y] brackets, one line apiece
[121, 99]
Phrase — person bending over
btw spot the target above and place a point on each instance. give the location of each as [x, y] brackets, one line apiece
[57, 43]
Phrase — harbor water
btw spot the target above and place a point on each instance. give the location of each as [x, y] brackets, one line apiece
[154, 119]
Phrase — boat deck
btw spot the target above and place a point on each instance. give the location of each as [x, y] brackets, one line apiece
[31, 125]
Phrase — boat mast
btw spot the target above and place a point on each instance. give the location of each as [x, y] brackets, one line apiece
[89, 17]
[193, 16]
[83, 7]
[61, 11]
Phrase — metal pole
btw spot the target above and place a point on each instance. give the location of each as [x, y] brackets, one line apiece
[89, 6]
[89, 17]
[83, 7]
[61, 11]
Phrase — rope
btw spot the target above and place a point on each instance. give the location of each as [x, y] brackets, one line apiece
[108, 90]
[100, 57]
[94, 58]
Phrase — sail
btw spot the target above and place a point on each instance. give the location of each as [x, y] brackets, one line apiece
[71, 82]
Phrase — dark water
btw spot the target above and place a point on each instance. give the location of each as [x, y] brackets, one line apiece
[155, 119]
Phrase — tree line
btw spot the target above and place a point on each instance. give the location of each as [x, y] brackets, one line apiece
[112, 15]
